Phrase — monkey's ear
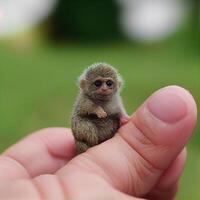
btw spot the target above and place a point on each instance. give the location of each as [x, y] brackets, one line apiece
[120, 83]
[83, 83]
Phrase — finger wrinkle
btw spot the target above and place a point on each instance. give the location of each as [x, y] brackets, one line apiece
[63, 187]
[50, 140]
[145, 141]
[38, 189]
[14, 162]
[90, 163]
[23, 189]
[51, 187]
[140, 169]
[143, 129]
[44, 142]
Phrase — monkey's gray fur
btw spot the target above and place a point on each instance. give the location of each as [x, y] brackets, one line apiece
[98, 108]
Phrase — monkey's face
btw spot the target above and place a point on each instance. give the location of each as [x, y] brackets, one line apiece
[101, 88]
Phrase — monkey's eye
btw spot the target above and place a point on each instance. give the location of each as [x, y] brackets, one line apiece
[98, 83]
[109, 83]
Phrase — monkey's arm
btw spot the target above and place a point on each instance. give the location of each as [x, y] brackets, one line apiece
[124, 118]
[87, 107]
[99, 111]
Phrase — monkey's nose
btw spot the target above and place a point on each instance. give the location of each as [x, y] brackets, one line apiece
[104, 88]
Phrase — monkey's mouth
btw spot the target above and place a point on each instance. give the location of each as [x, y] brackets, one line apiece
[103, 96]
[105, 93]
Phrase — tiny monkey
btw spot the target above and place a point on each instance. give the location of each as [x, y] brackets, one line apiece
[98, 111]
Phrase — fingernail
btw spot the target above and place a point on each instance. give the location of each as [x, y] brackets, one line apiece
[167, 106]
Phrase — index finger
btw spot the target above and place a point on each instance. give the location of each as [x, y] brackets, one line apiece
[42, 152]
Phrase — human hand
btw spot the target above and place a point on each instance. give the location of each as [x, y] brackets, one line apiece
[143, 160]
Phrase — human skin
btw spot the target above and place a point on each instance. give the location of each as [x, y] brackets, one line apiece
[144, 160]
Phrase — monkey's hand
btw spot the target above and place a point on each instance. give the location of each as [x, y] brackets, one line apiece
[100, 112]
[124, 119]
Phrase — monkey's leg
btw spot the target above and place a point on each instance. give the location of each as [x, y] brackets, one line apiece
[85, 131]
[81, 147]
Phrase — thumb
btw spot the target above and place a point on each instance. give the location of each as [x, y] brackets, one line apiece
[141, 151]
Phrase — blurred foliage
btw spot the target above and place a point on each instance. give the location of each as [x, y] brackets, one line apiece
[194, 23]
[88, 19]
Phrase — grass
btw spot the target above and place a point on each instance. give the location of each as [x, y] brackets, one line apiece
[37, 87]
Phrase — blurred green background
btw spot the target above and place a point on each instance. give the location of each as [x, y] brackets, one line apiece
[39, 69]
